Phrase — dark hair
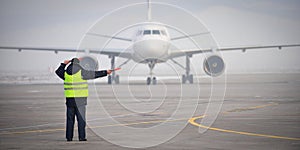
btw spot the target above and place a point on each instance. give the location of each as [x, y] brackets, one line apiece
[75, 61]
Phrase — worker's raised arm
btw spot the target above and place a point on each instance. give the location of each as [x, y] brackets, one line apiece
[60, 71]
[87, 75]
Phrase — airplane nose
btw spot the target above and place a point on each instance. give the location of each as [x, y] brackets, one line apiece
[151, 48]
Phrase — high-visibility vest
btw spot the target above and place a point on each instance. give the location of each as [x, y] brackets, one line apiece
[75, 86]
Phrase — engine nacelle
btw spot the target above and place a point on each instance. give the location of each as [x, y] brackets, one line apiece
[89, 63]
[214, 65]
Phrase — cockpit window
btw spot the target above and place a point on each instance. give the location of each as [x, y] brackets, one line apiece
[155, 32]
[147, 32]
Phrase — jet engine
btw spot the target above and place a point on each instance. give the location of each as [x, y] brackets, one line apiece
[89, 63]
[214, 65]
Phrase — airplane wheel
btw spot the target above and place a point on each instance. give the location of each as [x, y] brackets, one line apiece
[117, 79]
[183, 79]
[148, 81]
[154, 81]
[191, 79]
[109, 79]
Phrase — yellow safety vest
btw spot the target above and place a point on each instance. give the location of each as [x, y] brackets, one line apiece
[75, 86]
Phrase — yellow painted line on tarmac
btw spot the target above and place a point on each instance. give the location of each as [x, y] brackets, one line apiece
[193, 122]
[111, 125]
[32, 131]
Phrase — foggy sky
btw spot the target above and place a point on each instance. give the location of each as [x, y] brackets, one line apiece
[62, 24]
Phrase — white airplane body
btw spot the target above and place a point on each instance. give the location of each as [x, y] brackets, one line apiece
[151, 44]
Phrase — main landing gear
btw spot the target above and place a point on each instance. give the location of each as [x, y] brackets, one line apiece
[187, 77]
[151, 79]
[113, 77]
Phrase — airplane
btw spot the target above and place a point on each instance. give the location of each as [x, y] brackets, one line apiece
[152, 45]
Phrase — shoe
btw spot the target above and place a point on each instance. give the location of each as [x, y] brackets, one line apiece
[82, 139]
[69, 140]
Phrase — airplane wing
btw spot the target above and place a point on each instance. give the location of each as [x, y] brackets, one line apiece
[110, 52]
[184, 52]
[112, 37]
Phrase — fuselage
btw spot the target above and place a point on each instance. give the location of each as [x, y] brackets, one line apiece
[151, 43]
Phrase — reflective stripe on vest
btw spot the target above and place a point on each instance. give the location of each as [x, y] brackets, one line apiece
[75, 86]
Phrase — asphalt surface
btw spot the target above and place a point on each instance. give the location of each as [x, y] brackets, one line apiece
[258, 111]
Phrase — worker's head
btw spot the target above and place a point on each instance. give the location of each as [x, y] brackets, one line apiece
[75, 61]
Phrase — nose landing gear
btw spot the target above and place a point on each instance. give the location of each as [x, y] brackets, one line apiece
[152, 79]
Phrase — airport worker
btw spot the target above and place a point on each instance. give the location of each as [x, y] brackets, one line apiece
[76, 93]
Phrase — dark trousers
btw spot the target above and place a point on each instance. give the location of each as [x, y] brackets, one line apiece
[76, 107]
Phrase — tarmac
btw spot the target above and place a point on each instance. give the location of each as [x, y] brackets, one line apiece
[256, 111]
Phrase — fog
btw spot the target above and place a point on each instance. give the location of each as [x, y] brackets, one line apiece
[62, 24]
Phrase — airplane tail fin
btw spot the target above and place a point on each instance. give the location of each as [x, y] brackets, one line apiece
[149, 10]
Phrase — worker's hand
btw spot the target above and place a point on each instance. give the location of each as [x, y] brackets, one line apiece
[109, 71]
[66, 62]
